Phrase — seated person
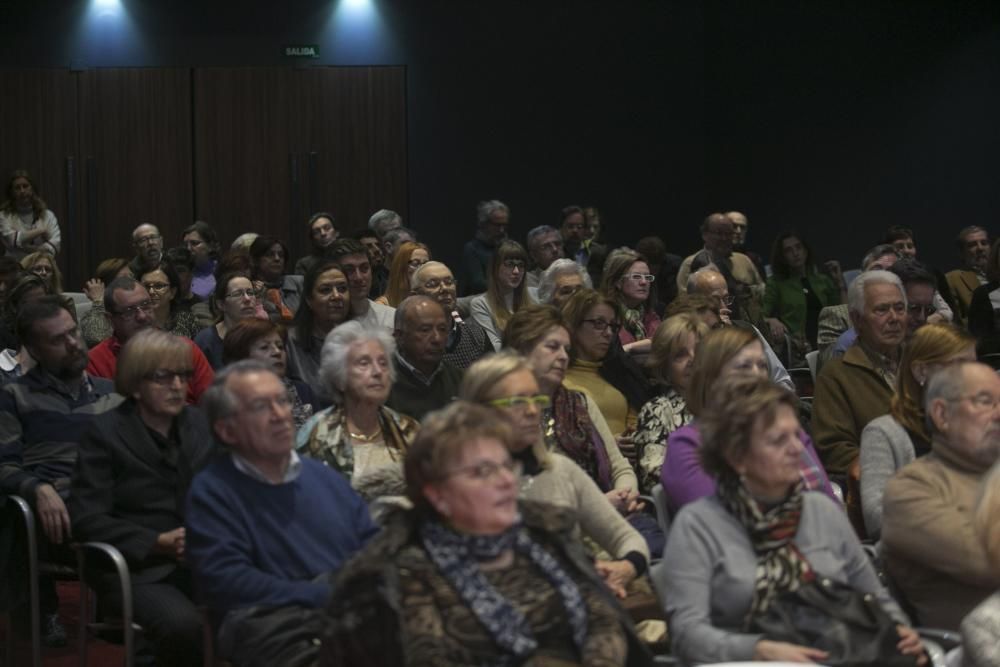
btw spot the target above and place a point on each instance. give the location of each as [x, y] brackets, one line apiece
[408, 258]
[931, 550]
[492, 219]
[467, 340]
[235, 299]
[760, 535]
[722, 356]
[322, 233]
[627, 280]
[892, 441]
[974, 247]
[203, 244]
[670, 361]
[269, 258]
[359, 436]
[424, 380]
[561, 281]
[470, 575]
[134, 467]
[981, 627]
[163, 285]
[261, 551]
[506, 291]
[982, 312]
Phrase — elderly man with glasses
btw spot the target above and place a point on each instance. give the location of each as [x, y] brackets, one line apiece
[148, 244]
[467, 340]
[129, 309]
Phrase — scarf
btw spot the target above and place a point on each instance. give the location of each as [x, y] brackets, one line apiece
[633, 323]
[456, 556]
[569, 430]
[781, 567]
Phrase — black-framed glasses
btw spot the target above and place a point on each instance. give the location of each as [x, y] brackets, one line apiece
[600, 326]
[156, 287]
[165, 376]
[246, 292]
[484, 471]
[926, 311]
[514, 264]
[132, 312]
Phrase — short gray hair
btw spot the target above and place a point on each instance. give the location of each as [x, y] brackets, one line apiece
[218, 401]
[560, 267]
[947, 383]
[381, 218]
[541, 230]
[337, 347]
[415, 281]
[876, 252]
[394, 235]
[485, 209]
[856, 292]
[695, 277]
[409, 302]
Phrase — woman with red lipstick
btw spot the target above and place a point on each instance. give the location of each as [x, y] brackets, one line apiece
[471, 576]
[360, 436]
[26, 223]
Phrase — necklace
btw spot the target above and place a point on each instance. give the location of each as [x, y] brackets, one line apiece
[366, 437]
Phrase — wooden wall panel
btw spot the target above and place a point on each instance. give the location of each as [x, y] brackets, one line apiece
[135, 139]
[387, 141]
[39, 132]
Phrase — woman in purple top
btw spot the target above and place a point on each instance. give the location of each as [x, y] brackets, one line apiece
[722, 355]
[203, 243]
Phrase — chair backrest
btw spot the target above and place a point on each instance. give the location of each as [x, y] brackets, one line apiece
[811, 359]
[662, 513]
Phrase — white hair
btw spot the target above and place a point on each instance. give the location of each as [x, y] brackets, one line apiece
[856, 292]
[560, 267]
[486, 208]
[337, 347]
[415, 280]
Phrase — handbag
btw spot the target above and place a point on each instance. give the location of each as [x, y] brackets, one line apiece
[849, 625]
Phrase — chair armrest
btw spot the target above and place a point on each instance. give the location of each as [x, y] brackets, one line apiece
[121, 569]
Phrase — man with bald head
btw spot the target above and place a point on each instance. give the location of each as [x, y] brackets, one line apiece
[741, 225]
[745, 284]
[467, 339]
[148, 244]
[425, 381]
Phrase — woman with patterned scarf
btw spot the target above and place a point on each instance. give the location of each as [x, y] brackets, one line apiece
[628, 281]
[470, 575]
[734, 553]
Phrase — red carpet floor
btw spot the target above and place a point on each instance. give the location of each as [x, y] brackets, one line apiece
[99, 653]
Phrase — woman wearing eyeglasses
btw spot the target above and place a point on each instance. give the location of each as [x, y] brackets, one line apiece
[134, 467]
[723, 356]
[163, 285]
[470, 575]
[628, 281]
[506, 292]
[410, 257]
[235, 299]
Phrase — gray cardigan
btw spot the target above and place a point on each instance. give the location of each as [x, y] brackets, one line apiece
[710, 566]
[885, 448]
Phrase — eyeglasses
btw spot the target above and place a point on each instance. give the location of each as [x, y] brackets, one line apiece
[156, 287]
[485, 471]
[132, 312]
[926, 311]
[514, 264]
[726, 300]
[435, 283]
[165, 377]
[246, 292]
[417, 263]
[636, 277]
[981, 401]
[600, 325]
[521, 402]
[147, 240]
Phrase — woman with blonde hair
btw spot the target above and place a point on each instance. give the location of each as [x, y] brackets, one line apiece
[891, 441]
[43, 265]
[627, 280]
[671, 358]
[506, 290]
[410, 257]
[723, 356]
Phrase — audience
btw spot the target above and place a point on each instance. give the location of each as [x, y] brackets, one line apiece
[45, 413]
[359, 436]
[895, 439]
[322, 233]
[94, 325]
[974, 247]
[384, 220]
[26, 223]
[424, 380]
[663, 265]
[627, 280]
[128, 306]
[408, 258]
[506, 291]
[381, 222]
[235, 299]
[981, 627]
[470, 575]
[203, 244]
[931, 549]
[163, 285]
[352, 257]
[393, 239]
[133, 470]
[670, 362]
[561, 281]
[27, 288]
[901, 238]
[148, 245]
[269, 259]
[580, 243]
[266, 531]
[43, 265]
[982, 313]
[741, 231]
[467, 340]
[545, 245]
[492, 219]
[759, 536]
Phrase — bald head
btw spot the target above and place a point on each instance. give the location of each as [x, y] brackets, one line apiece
[422, 329]
[706, 281]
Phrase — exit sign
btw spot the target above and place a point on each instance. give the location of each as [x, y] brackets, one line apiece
[302, 51]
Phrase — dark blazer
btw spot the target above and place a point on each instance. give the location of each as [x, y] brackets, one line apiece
[124, 490]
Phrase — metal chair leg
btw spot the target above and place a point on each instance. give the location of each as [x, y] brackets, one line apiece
[124, 581]
[36, 635]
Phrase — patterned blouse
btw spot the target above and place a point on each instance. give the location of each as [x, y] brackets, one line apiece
[658, 418]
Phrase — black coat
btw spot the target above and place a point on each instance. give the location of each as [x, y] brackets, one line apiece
[126, 492]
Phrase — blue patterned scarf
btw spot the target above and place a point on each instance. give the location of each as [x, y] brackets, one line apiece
[457, 556]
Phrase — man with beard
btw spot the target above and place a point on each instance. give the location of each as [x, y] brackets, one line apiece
[932, 550]
[148, 244]
[467, 340]
[974, 245]
[44, 414]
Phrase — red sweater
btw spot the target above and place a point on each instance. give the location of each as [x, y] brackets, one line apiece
[104, 362]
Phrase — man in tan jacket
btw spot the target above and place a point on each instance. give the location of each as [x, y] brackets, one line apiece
[932, 551]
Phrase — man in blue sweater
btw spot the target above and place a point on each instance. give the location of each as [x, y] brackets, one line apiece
[266, 530]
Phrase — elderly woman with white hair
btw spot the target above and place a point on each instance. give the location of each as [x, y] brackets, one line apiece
[359, 436]
[561, 281]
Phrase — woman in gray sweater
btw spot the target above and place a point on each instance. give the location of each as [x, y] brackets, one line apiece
[732, 554]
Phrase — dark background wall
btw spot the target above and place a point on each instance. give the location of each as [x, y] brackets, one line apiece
[837, 118]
